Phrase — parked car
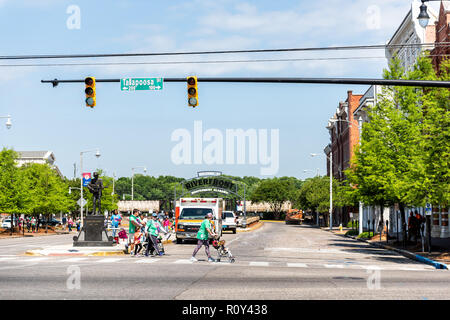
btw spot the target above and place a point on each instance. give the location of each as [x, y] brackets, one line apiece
[229, 221]
[6, 223]
[52, 222]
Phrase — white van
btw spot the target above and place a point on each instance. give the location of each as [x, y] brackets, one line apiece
[191, 213]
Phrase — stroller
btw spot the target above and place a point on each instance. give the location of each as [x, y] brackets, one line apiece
[152, 250]
[222, 251]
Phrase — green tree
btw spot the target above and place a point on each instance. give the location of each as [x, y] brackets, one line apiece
[14, 194]
[274, 191]
[47, 191]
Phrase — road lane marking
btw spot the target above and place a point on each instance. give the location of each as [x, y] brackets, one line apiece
[8, 258]
[259, 264]
[72, 260]
[184, 261]
[146, 261]
[340, 266]
[108, 260]
[34, 259]
[307, 250]
[297, 265]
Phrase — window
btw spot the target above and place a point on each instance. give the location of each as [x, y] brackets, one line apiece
[194, 213]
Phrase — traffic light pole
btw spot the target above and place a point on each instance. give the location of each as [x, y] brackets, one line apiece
[354, 81]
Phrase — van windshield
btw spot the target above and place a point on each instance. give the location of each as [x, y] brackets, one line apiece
[228, 214]
[194, 213]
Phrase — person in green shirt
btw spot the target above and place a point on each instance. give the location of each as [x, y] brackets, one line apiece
[134, 223]
[152, 229]
[202, 236]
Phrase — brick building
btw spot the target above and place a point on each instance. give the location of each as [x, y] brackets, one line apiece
[344, 136]
[442, 28]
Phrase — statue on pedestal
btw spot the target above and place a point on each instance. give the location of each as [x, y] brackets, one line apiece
[96, 187]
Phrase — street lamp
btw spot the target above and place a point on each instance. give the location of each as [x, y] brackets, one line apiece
[8, 121]
[132, 179]
[97, 154]
[423, 17]
[331, 184]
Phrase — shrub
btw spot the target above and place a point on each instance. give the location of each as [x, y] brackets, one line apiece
[351, 233]
[365, 235]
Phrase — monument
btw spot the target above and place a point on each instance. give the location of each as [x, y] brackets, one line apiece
[94, 224]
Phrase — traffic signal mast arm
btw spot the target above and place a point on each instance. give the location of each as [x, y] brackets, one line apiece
[355, 81]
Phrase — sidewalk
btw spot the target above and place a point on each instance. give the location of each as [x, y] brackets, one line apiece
[439, 257]
[7, 234]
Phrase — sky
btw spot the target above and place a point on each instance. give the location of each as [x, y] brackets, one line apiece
[141, 128]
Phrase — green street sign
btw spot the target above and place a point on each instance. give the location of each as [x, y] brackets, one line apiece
[133, 84]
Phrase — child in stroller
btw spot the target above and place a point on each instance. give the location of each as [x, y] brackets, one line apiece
[222, 251]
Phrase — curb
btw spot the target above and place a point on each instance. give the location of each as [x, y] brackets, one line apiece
[410, 255]
[258, 225]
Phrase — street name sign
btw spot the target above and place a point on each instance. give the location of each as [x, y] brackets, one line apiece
[133, 84]
[428, 209]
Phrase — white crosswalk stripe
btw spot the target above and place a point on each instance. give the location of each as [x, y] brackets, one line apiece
[73, 260]
[259, 264]
[334, 266]
[146, 261]
[297, 265]
[35, 259]
[8, 258]
[183, 261]
[108, 260]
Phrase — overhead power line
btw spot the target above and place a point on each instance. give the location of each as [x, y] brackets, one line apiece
[107, 55]
[192, 62]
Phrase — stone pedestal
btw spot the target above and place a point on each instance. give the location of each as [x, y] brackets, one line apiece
[93, 228]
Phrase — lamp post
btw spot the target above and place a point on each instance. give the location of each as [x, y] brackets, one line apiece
[132, 179]
[360, 225]
[331, 185]
[423, 17]
[8, 121]
[97, 154]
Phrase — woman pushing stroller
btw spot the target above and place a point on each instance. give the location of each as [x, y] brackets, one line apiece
[152, 229]
[203, 235]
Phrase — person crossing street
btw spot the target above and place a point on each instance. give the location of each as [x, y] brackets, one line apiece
[202, 236]
[152, 229]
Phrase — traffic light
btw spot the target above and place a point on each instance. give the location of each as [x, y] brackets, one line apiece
[192, 91]
[90, 91]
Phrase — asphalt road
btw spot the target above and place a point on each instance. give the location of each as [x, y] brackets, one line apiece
[276, 261]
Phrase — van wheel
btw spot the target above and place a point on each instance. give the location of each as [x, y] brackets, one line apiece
[179, 241]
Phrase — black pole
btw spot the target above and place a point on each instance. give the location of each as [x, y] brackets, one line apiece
[387, 231]
[373, 227]
[357, 81]
[428, 222]
[368, 226]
